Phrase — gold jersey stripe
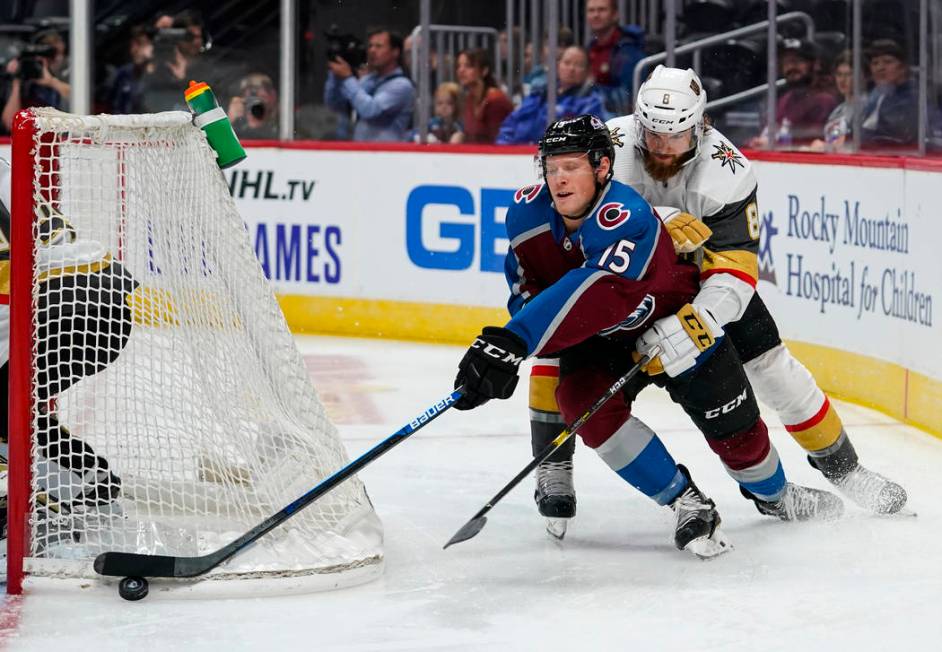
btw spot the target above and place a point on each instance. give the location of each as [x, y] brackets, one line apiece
[5, 277]
[70, 270]
[737, 259]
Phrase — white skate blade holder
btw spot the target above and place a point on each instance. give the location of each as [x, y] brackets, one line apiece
[556, 527]
[712, 546]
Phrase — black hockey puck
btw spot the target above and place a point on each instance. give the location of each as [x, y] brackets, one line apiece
[133, 588]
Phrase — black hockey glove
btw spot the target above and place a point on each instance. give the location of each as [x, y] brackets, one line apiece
[489, 368]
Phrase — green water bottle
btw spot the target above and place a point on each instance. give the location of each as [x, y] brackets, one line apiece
[214, 122]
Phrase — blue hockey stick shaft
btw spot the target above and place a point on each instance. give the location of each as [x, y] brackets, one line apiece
[139, 565]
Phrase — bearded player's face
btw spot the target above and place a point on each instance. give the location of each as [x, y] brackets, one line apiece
[571, 182]
[666, 147]
[665, 154]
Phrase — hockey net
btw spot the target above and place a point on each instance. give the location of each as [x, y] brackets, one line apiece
[203, 412]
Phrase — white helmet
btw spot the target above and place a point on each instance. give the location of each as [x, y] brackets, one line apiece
[670, 101]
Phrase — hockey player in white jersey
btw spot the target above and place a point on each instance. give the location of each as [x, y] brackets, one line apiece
[83, 323]
[673, 158]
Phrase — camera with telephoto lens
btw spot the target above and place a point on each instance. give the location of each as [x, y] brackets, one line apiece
[345, 46]
[165, 42]
[255, 106]
[31, 60]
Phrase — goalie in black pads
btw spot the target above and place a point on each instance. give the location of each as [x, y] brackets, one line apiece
[83, 322]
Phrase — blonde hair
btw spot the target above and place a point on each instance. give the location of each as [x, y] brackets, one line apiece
[452, 89]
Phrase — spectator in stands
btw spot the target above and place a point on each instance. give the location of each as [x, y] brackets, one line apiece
[411, 48]
[577, 95]
[38, 76]
[130, 80]
[383, 99]
[535, 79]
[839, 125]
[801, 110]
[485, 106]
[445, 126]
[178, 59]
[613, 52]
[503, 43]
[535, 75]
[254, 111]
[890, 116]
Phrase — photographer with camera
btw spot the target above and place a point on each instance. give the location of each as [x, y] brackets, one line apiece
[254, 111]
[179, 44]
[37, 76]
[383, 99]
[130, 80]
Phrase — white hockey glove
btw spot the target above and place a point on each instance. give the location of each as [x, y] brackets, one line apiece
[687, 232]
[681, 338]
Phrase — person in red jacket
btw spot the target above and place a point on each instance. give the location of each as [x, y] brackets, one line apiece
[485, 106]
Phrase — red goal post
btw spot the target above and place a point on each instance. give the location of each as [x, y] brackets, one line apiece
[158, 402]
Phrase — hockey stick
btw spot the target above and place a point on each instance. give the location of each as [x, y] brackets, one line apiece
[139, 565]
[479, 520]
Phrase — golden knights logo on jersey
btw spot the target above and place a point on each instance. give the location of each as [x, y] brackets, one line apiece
[617, 137]
[726, 155]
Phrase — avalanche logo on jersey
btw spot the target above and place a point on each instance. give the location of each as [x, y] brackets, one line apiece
[612, 214]
[727, 156]
[637, 317]
[527, 194]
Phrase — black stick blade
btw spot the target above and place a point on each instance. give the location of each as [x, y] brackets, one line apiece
[123, 564]
[467, 531]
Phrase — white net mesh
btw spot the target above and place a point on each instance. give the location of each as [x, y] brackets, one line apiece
[173, 410]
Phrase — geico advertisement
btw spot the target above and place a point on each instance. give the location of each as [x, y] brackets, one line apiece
[848, 260]
[383, 225]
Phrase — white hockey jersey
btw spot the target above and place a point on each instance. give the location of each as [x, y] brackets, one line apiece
[719, 188]
[60, 249]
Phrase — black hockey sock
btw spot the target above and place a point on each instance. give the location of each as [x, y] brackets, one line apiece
[544, 432]
[836, 460]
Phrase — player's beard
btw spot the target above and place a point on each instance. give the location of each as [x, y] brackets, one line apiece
[664, 171]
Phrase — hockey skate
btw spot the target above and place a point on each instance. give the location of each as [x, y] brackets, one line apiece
[869, 489]
[800, 503]
[698, 522]
[555, 496]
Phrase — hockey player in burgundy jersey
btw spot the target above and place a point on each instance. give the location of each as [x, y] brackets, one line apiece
[595, 275]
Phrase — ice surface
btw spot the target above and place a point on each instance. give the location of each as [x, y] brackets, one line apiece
[616, 582]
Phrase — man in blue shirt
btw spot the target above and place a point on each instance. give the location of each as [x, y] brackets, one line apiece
[576, 96]
[383, 99]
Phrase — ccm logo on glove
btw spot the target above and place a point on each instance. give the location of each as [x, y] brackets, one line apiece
[496, 352]
[695, 328]
[680, 338]
[489, 367]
